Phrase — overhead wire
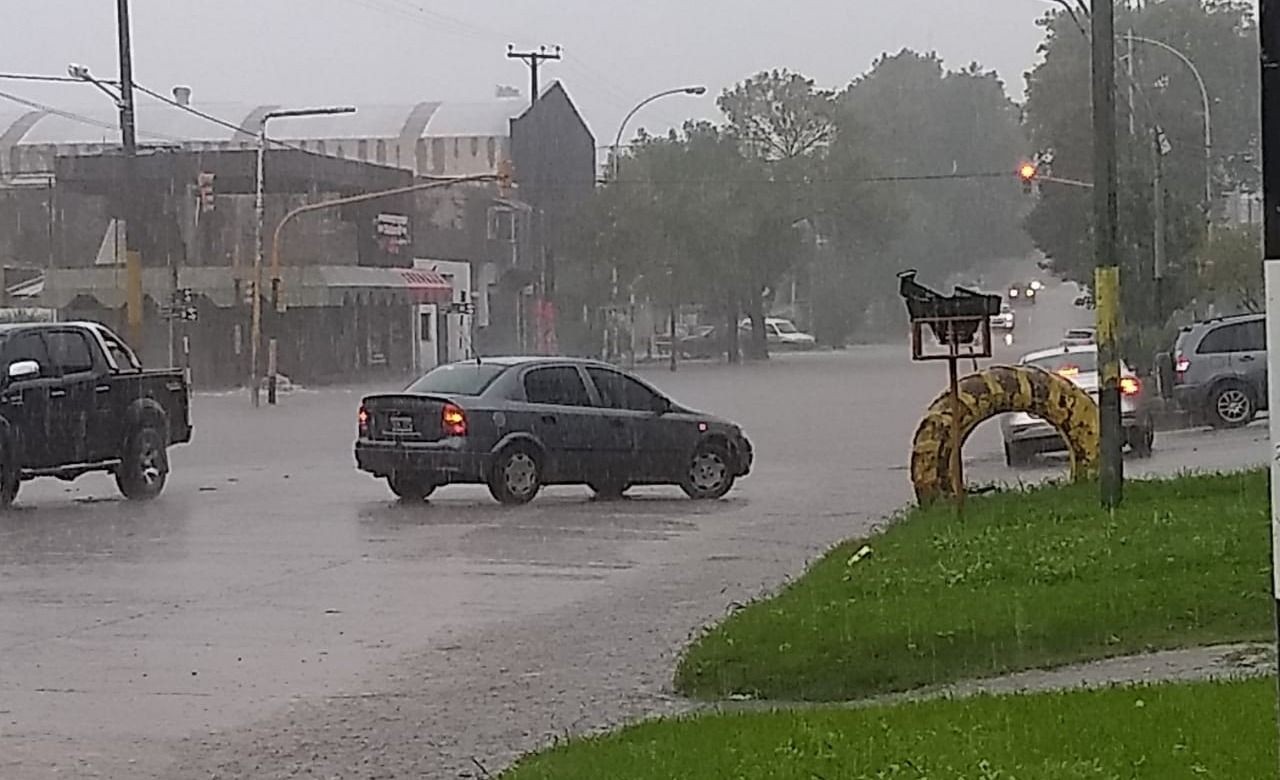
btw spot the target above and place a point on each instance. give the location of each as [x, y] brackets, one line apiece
[74, 117]
[209, 117]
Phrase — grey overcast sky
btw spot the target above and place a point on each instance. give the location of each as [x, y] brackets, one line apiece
[305, 52]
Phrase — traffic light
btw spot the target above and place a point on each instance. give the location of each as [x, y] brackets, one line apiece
[1027, 175]
[204, 186]
[506, 174]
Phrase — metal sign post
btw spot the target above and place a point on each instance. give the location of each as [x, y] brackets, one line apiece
[1269, 27]
[962, 325]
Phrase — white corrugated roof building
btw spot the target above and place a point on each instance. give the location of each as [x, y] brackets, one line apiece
[430, 138]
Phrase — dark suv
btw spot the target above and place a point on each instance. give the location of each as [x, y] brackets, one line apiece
[1220, 369]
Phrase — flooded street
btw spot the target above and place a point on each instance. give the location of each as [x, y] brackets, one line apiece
[277, 609]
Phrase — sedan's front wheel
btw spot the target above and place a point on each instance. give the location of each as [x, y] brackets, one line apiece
[516, 476]
[708, 475]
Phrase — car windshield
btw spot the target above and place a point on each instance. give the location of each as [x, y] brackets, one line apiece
[1067, 363]
[458, 379]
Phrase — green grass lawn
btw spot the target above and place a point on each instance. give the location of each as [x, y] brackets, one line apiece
[1213, 731]
[1025, 580]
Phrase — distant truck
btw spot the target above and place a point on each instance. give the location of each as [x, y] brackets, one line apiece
[75, 399]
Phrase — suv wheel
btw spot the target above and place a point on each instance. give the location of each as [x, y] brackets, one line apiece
[1231, 405]
[145, 466]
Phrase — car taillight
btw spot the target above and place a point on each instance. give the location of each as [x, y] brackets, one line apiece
[1130, 385]
[362, 418]
[1182, 364]
[454, 420]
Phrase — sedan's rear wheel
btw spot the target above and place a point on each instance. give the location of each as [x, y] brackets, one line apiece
[516, 476]
[709, 475]
[409, 486]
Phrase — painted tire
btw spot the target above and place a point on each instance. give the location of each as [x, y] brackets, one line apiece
[1001, 390]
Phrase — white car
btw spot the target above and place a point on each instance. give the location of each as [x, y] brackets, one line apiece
[1025, 436]
[783, 334]
[1005, 320]
[1080, 337]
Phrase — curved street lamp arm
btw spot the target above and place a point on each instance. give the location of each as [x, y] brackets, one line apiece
[622, 128]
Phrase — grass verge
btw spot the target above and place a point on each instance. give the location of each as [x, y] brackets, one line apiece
[1025, 580]
[1207, 730]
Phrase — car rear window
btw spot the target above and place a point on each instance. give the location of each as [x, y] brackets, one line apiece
[458, 379]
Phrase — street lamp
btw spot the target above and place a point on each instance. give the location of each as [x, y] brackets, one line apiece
[617, 164]
[1208, 120]
[622, 128]
[259, 207]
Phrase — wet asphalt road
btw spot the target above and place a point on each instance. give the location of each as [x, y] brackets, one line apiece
[277, 613]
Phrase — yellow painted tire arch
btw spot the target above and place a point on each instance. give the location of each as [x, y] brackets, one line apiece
[995, 391]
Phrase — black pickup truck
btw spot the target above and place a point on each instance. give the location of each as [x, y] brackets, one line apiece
[75, 399]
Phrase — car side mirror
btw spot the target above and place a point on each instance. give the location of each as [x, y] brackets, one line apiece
[664, 406]
[23, 369]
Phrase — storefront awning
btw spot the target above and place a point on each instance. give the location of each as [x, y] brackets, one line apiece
[307, 286]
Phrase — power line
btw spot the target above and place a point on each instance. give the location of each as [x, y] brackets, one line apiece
[208, 117]
[74, 117]
[44, 78]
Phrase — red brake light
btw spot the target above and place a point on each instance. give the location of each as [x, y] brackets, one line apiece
[363, 419]
[454, 420]
[1069, 371]
[1130, 385]
[1182, 365]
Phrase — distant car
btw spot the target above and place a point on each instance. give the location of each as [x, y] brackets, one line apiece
[519, 423]
[1080, 337]
[703, 341]
[1220, 370]
[783, 334]
[1025, 292]
[1005, 320]
[1025, 436]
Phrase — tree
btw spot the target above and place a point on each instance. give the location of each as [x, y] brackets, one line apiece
[783, 125]
[1219, 37]
[912, 117]
[1230, 270]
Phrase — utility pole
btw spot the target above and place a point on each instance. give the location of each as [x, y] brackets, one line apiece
[1107, 271]
[1269, 28]
[1160, 149]
[534, 60]
[130, 193]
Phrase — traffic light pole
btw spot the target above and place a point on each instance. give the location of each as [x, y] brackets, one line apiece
[130, 193]
[1269, 27]
[1107, 271]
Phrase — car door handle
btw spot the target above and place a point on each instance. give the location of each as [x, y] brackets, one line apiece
[102, 389]
[57, 393]
[549, 419]
[1247, 359]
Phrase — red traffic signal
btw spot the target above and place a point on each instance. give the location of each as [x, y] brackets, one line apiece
[1027, 175]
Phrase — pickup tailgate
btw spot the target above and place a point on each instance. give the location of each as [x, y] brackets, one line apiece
[405, 417]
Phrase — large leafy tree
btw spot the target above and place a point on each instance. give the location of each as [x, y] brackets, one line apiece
[1219, 38]
[961, 133]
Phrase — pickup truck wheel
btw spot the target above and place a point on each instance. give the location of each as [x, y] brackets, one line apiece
[145, 465]
[410, 487]
[9, 482]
